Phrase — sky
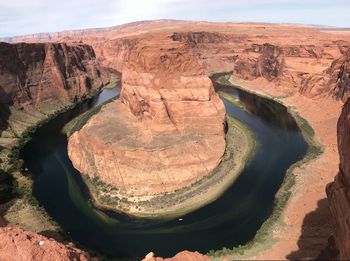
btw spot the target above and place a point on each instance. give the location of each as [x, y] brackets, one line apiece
[18, 17]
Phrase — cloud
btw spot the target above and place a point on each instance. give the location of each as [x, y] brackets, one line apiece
[24, 16]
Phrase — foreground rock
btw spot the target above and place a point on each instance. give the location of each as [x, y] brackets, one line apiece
[165, 133]
[19, 245]
[339, 191]
[182, 256]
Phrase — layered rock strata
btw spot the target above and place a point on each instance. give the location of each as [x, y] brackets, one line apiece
[293, 58]
[166, 131]
[39, 79]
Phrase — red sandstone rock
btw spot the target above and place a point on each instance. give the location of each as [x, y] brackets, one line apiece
[37, 80]
[39, 74]
[17, 244]
[294, 58]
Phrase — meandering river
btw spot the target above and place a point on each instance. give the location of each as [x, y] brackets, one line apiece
[231, 220]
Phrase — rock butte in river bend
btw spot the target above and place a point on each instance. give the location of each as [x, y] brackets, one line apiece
[166, 131]
[305, 65]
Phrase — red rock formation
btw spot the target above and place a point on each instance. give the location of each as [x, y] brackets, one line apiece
[17, 244]
[165, 133]
[299, 65]
[39, 74]
[338, 192]
[39, 79]
[339, 73]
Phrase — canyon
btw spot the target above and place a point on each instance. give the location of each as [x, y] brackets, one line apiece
[305, 68]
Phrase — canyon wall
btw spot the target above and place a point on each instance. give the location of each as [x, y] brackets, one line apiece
[312, 69]
[39, 74]
[37, 80]
[294, 58]
[338, 192]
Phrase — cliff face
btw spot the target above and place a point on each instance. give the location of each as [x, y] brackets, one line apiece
[38, 79]
[268, 64]
[37, 74]
[166, 131]
[17, 244]
[338, 192]
[339, 73]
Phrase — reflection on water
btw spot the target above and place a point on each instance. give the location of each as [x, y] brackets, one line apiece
[231, 220]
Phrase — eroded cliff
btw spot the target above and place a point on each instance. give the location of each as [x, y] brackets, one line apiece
[37, 80]
[313, 68]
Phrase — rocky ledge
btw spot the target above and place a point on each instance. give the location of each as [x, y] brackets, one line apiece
[165, 133]
[18, 244]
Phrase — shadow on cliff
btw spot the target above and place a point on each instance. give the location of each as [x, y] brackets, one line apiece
[4, 112]
[315, 231]
[6, 180]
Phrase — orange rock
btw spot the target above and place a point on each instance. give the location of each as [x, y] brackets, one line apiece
[17, 244]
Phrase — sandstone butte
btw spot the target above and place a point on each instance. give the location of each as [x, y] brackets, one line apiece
[165, 133]
[305, 68]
